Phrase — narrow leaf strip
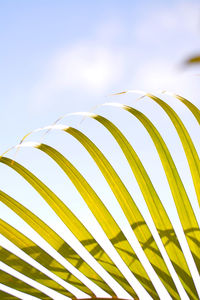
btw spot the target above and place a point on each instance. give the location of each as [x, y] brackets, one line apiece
[131, 211]
[182, 202]
[78, 229]
[42, 257]
[156, 208]
[194, 110]
[108, 224]
[28, 270]
[19, 285]
[188, 146]
[99, 210]
[55, 241]
[6, 296]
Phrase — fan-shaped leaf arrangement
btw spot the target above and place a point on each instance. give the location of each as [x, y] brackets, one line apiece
[168, 236]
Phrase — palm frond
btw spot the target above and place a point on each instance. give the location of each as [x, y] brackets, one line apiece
[169, 243]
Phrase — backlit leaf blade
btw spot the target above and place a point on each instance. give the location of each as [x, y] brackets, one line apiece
[100, 211]
[195, 111]
[76, 227]
[131, 211]
[103, 216]
[97, 207]
[157, 211]
[28, 270]
[55, 241]
[193, 60]
[182, 202]
[19, 285]
[6, 296]
[108, 224]
[189, 148]
[42, 257]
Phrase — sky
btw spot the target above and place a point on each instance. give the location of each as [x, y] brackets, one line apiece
[58, 57]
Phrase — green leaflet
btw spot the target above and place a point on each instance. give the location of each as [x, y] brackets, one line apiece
[182, 202]
[6, 296]
[56, 242]
[103, 216]
[193, 60]
[189, 148]
[195, 111]
[25, 268]
[37, 253]
[73, 224]
[131, 211]
[107, 222]
[157, 211]
[17, 284]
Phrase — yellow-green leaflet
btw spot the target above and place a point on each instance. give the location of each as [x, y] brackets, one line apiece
[195, 111]
[158, 213]
[149, 264]
[131, 211]
[103, 216]
[76, 228]
[193, 60]
[105, 219]
[15, 283]
[25, 268]
[182, 202]
[54, 240]
[6, 296]
[189, 148]
[37, 253]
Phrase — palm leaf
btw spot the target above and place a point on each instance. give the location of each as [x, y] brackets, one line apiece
[19, 285]
[194, 110]
[6, 296]
[37, 253]
[28, 270]
[170, 240]
[188, 146]
[156, 208]
[181, 200]
[129, 207]
[55, 241]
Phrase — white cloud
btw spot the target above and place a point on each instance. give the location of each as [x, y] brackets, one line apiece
[88, 67]
[168, 21]
[168, 35]
[85, 66]
[157, 74]
[103, 65]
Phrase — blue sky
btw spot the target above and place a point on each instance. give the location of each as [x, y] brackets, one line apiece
[59, 56]
[50, 52]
